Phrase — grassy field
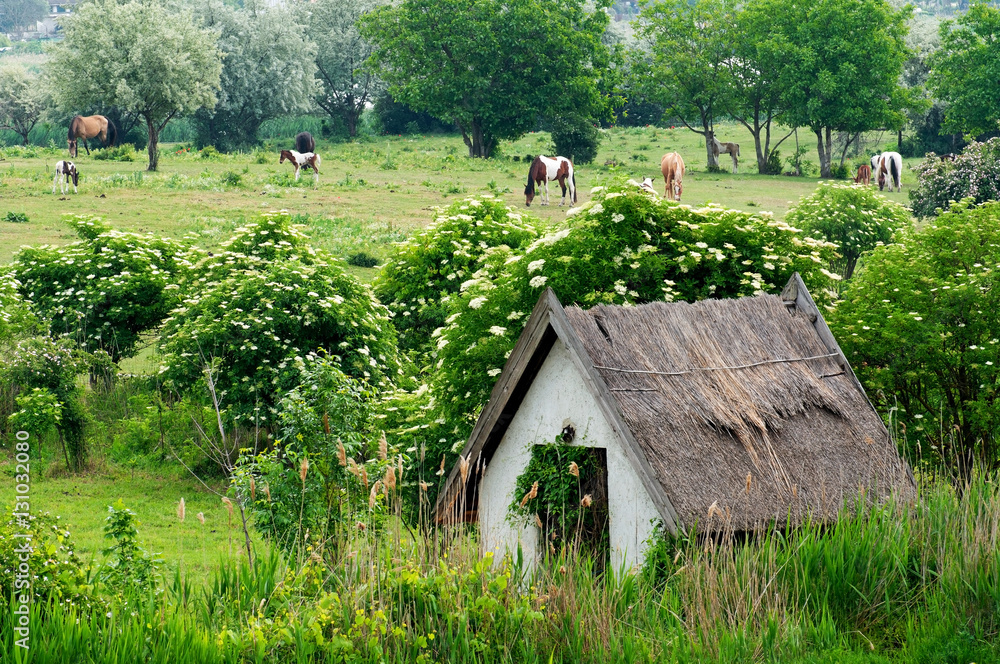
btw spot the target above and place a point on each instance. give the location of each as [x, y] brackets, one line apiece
[371, 193]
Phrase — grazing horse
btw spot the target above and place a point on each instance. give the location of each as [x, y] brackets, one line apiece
[733, 149]
[68, 169]
[864, 175]
[304, 143]
[300, 160]
[542, 171]
[90, 127]
[672, 167]
[890, 168]
[647, 186]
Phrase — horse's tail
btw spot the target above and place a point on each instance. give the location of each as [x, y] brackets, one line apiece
[894, 171]
[572, 178]
[112, 134]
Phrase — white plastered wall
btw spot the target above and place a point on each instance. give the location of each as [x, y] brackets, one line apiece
[558, 394]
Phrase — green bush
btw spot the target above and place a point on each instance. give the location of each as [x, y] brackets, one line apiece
[840, 171]
[362, 259]
[256, 308]
[919, 326]
[123, 152]
[129, 570]
[56, 573]
[576, 137]
[974, 174]
[427, 271]
[106, 290]
[16, 217]
[854, 217]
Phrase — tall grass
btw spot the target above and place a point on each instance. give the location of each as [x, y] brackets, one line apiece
[893, 583]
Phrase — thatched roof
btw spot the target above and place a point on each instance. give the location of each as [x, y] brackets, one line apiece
[745, 408]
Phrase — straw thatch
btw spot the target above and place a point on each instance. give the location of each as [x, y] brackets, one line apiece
[744, 412]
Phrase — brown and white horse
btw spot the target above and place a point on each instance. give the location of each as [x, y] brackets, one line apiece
[90, 127]
[67, 169]
[888, 169]
[864, 175]
[304, 142]
[300, 160]
[672, 167]
[545, 169]
[733, 149]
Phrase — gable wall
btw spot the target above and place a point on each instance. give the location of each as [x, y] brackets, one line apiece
[557, 394]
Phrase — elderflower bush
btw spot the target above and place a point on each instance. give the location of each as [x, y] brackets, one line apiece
[15, 317]
[919, 326]
[428, 270]
[105, 290]
[623, 247]
[974, 174]
[855, 217]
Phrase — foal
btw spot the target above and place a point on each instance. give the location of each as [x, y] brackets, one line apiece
[68, 169]
[300, 160]
[864, 175]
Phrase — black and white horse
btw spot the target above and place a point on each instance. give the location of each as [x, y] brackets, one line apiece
[888, 168]
[67, 169]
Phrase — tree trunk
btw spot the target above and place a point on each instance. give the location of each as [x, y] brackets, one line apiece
[825, 150]
[352, 123]
[480, 146]
[152, 146]
[713, 159]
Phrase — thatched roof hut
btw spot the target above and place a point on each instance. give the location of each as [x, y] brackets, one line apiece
[742, 411]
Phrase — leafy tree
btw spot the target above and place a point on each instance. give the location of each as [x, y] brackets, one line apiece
[347, 83]
[140, 57]
[975, 174]
[23, 98]
[966, 69]
[843, 61]
[107, 289]
[855, 217]
[919, 326]
[267, 72]
[17, 15]
[491, 66]
[689, 46]
[576, 137]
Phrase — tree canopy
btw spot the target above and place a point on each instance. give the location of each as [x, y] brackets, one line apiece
[491, 66]
[22, 101]
[966, 71]
[346, 84]
[138, 56]
[15, 15]
[268, 71]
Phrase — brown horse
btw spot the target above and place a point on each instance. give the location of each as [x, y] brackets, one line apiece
[92, 126]
[864, 175]
[304, 142]
[672, 167]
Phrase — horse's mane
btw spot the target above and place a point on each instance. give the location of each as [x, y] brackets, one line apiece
[530, 187]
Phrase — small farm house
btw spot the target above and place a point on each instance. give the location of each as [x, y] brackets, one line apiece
[733, 414]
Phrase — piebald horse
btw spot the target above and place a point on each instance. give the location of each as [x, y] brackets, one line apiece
[864, 175]
[300, 160]
[67, 169]
[733, 149]
[888, 167]
[90, 127]
[672, 167]
[542, 171]
[304, 142]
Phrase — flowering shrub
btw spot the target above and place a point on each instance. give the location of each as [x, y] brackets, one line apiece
[15, 318]
[855, 217]
[974, 174]
[623, 247]
[105, 290]
[254, 325]
[919, 326]
[57, 573]
[428, 270]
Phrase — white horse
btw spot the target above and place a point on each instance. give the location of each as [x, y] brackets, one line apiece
[888, 168]
[67, 169]
[733, 149]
